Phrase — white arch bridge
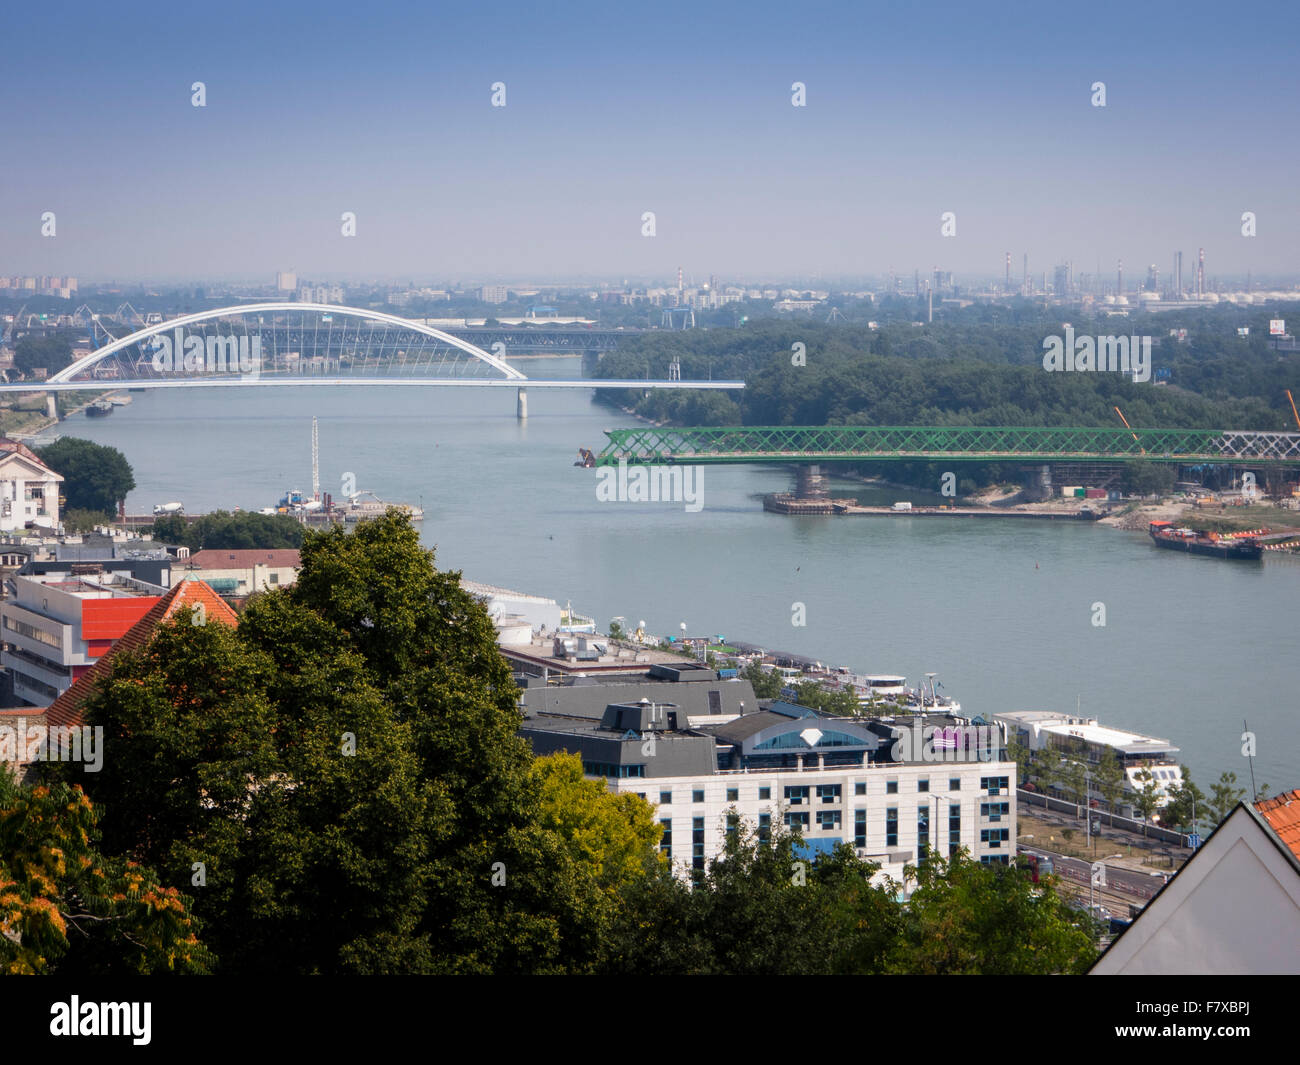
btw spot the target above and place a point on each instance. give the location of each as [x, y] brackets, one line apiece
[279, 344]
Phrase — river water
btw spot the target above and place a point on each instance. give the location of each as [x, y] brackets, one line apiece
[1002, 610]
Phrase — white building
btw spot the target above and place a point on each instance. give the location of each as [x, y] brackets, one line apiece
[873, 785]
[29, 490]
[243, 572]
[1085, 737]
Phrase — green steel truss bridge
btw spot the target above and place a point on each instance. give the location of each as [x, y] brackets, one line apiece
[794, 444]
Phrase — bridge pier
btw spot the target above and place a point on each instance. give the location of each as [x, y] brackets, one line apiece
[521, 405]
[51, 406]
[810, 483]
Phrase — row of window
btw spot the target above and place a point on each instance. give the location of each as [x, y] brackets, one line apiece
[799, 794]
[50, 639]
[612, 769]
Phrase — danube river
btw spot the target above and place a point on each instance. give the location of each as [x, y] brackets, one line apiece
[1002, 610]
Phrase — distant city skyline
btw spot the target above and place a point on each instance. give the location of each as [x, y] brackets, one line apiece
[317, 110]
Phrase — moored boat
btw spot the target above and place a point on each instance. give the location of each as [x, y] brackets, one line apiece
[1164, 534]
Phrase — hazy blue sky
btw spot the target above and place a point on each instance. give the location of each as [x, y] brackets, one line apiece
[615, 109]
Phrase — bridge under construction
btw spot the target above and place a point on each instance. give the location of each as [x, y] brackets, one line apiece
[1038, 449]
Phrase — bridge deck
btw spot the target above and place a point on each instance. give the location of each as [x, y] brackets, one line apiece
[806, 444]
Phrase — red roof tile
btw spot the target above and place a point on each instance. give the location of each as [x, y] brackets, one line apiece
[66, 709]
[1283, 815]
[216, 558]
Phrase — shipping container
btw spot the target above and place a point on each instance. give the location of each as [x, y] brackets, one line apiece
[1068, 490]
[1080, 493]
[1095, 493]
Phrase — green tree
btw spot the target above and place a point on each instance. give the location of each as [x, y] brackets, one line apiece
[223, 531]
[1147, 799]
[965, 917]
[81, 521]
[1224, 797]
[171, 529]
[1073, 775]
[1024, 759]
[767, 683]
[843, 703]
[1187, 803]
[1109, 775]
[51, 353]
[67, 909]
[1143, 478]
[95, 477]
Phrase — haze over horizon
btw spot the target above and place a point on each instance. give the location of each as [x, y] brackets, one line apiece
[314, 110]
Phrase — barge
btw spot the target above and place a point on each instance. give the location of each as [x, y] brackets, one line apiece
[1246, 548]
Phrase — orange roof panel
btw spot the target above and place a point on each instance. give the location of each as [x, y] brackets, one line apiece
[1283, 816]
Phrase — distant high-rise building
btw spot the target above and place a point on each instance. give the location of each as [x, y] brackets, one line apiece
[1153, 279]
[493, 294]
[286, 281]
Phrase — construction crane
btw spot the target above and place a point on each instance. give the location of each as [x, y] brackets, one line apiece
[1293, 410]
[1130, 429]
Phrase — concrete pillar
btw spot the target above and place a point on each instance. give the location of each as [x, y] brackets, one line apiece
[51, 406]
[521, 405]
[809, 482]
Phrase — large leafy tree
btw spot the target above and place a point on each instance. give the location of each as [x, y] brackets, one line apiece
[346, 766]
[67, 909]
[95, 477]
[51, 353]
[965, 917]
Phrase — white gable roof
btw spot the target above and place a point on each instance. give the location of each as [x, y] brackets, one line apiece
[1234, 908]
[14, 465]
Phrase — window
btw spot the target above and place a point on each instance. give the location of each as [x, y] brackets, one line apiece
[606, 769]
[665, 798]
[995, 859]
[859, 828]
[828, 792]
[764, 793]
[697, 795]
[715, 702]
[640, 794]
[796, 795]
[995, 811]
[860, 788]
[765, 827]
[274, 578]
[954, 783]
[828, 819]
[923, 784]
[799, 820]
[954, 828]
[995, 837]
[993, 785]
[891, 827]
[666, 840]
[733, 795]
[697, 845]
[891, 787]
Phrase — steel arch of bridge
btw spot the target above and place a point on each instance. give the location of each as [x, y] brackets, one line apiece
[88, 362]
[795, 444]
